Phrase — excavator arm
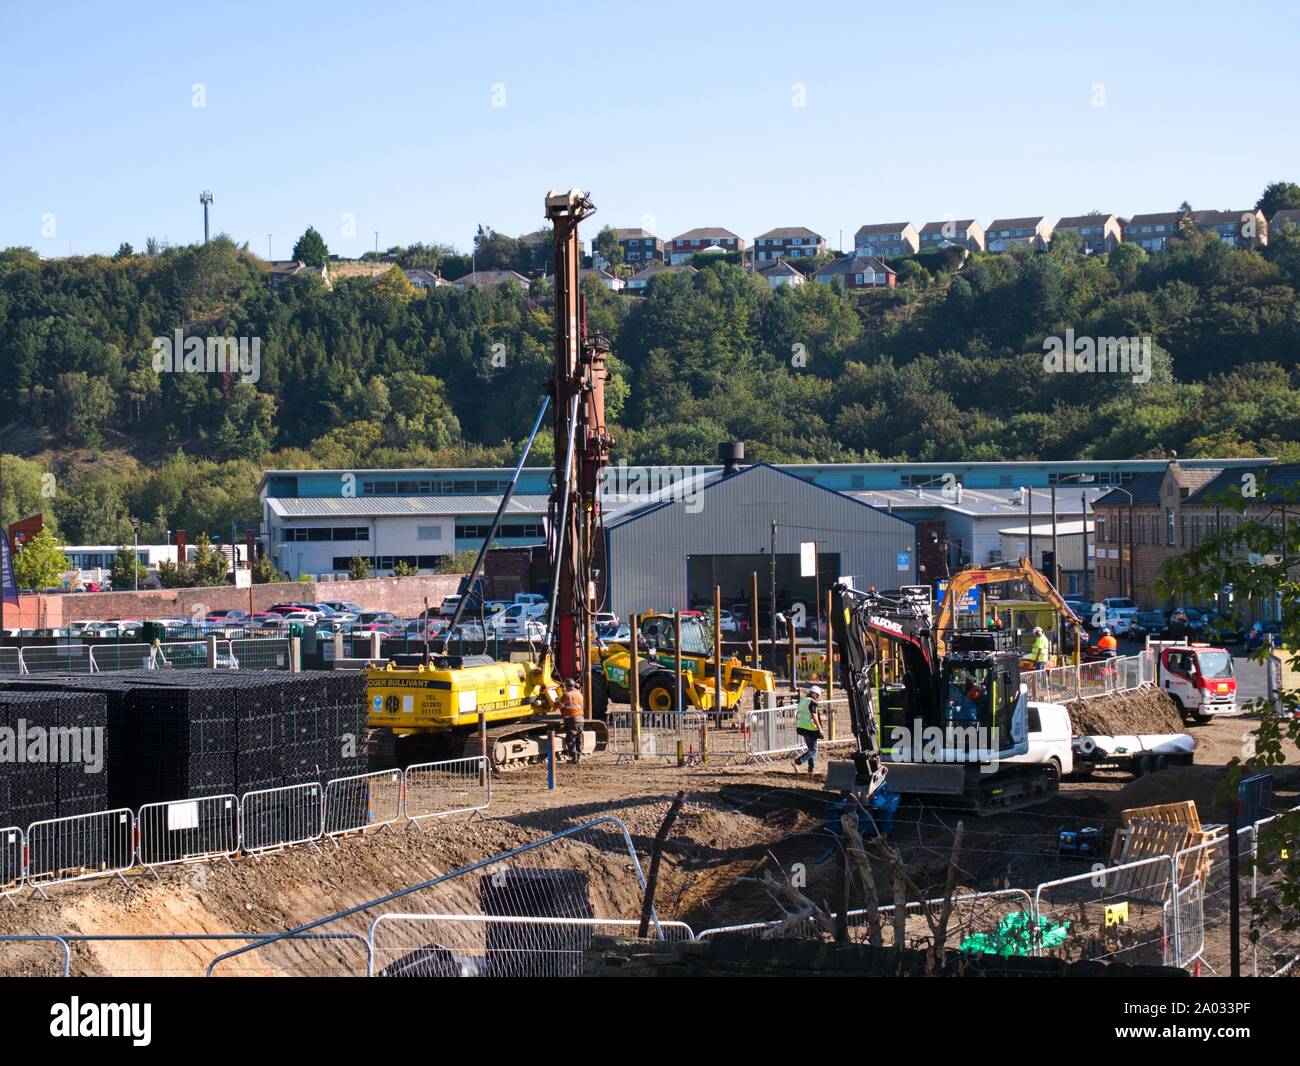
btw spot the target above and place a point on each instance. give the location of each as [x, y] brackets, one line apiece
[972, 576]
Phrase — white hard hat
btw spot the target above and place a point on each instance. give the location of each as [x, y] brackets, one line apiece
[1038, 631]
[816, 690]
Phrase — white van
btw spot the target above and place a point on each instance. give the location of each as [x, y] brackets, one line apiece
[512, 623]
[1050, 738]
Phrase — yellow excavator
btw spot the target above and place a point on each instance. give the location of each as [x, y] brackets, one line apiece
[657, 665]
[978, 576]
[429, 705]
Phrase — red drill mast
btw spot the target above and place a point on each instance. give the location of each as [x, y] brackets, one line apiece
[582, 446]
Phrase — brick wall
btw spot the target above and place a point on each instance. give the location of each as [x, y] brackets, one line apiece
[404, 596]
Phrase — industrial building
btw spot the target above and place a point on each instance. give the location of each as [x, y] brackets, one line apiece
[671, 551]
[315, 521]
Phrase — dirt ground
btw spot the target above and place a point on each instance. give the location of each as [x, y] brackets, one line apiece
[738, 820]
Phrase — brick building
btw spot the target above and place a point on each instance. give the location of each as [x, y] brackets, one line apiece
[1134, 537]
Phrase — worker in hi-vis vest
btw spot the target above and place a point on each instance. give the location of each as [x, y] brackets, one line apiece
[808, 724]
[571, 709]
[1040, 651]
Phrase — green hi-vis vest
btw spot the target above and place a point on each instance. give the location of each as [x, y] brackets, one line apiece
[1041, 651]
[805, 719]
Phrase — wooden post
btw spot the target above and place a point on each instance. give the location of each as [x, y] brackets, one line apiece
[753, 628]
[677, 660]
[830, 669]
[794, 657]
[717, 648]
[634, 686]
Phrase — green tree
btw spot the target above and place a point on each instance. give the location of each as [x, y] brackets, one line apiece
[265, 572]
[405, 569]
[461, 562]
[1254, 555]
[358, 568]
[606, 243]
[127, 570]
[1278, 196]
[310, 249]
[210, 566]
[41, 563]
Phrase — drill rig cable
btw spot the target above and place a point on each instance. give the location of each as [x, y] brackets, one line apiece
[492, 532]
[562, 521]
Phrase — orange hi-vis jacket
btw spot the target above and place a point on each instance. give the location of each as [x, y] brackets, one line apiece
[571, 703]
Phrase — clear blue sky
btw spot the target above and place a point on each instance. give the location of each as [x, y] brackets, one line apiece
[674, 114]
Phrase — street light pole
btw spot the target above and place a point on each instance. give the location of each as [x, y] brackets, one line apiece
[1132, 586]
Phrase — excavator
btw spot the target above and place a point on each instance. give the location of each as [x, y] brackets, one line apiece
[657, 664]
[937, 712]
[430, 704]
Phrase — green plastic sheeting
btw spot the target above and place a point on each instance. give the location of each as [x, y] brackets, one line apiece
[1013, 936]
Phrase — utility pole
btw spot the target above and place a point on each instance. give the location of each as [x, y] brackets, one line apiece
[1056, 566]
[772, 635]
[205, 198]
[1087, 567]
[1029, 496]
[376, 242]
[269, 256]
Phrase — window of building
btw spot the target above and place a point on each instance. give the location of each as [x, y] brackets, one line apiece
[1169, 526]
[294, 534]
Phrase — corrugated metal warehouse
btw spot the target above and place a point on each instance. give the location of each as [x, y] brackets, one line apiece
[668, 554]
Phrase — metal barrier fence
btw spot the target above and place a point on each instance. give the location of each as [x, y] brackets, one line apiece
[54, 658]
[972, 912]
[1091, 680]
[363, 801]
[10, 661]
[106, 658]
[1109, 913]
[547, 878]
[492, 945]
[80, 847]
[12, 867]
[187, 830]
[181, 655]
[751, 734]
[261, 653]
[12, 938]
[454, 786]
[75, 848]
[272, 818]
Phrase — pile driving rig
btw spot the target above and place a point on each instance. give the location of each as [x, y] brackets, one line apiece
[432, 703]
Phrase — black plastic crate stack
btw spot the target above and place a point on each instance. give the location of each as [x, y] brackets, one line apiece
[311, 750]
[184, 742]
[57, 784]
[29, 792]
[84, 784]
[258, 715]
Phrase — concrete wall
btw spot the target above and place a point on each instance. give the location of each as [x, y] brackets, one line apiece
[404, 596]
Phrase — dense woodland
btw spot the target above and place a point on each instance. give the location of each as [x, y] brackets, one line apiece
[374, 373]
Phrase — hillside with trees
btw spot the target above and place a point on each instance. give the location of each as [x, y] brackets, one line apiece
[948, 366]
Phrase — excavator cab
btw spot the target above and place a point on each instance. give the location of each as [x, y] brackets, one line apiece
[980, 689]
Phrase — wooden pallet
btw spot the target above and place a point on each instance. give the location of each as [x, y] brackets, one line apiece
[1184, 814]
[1143, 839]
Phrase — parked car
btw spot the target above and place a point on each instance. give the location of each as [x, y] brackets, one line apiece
[1261, 632]
[1184, 623]
[342, 606]
[366, 618]
[1086, 610]
[227, 614]
[1148, 624]
[448, 606]
[1221, 630]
